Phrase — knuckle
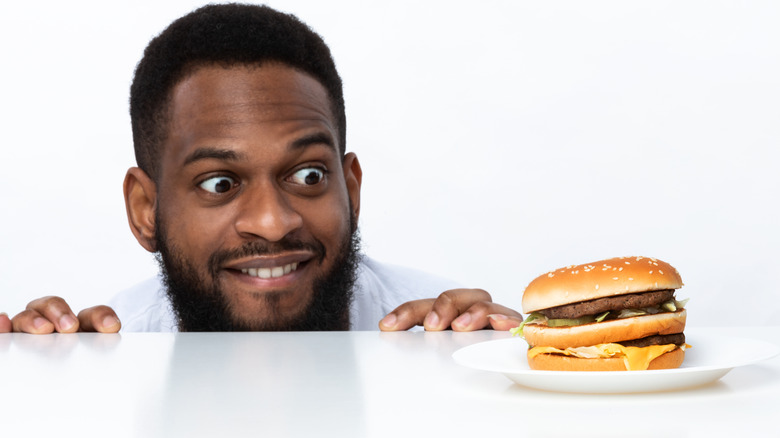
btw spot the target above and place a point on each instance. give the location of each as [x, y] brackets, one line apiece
[24, 315]
[447, 297]
[412, 309]
[482, 308]
[95, 315]
[102, 309]
[47, 303]
[483, 294]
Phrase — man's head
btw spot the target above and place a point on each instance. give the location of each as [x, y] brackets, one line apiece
[225, 35]
[244, 188]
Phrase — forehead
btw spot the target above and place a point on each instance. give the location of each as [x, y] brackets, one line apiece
[215, 102]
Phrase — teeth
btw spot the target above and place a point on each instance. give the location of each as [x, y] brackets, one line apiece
[274, 272]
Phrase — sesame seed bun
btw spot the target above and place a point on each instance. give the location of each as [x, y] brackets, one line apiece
[605, 278]
[557, 362]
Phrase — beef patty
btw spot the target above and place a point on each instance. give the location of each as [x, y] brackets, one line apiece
[601, 305]
[676, 339]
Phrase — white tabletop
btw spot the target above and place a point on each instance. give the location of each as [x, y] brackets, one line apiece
[353, 384]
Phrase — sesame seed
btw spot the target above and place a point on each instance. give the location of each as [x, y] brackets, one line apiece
[621, 268]
[628, 263]
[661, 272]
[614, 278]
[630, 279]
[597, 287]
[651, 272]
[551, 275]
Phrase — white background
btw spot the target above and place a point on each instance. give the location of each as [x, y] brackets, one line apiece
[498, 140]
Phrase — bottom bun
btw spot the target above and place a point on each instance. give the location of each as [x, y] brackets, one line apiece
[559, 362]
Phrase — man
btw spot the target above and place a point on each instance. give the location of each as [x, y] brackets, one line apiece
[246, 193]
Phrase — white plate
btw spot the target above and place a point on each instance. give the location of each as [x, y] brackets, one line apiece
[709, 359]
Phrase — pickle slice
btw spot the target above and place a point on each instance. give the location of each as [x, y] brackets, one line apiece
[568, 322]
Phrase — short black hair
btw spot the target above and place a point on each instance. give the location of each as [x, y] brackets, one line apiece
[225, 35]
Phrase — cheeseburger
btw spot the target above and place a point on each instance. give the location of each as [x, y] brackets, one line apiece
[612, 315]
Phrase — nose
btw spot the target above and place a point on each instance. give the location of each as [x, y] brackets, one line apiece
[267, 214]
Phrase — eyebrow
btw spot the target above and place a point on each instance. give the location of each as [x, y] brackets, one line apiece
[213, 153]
[313, 139]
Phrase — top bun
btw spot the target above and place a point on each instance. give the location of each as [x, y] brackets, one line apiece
[605, 278]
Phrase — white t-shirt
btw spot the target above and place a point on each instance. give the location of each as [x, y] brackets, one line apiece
[380, 288]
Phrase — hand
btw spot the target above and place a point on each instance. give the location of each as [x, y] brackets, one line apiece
[459, 309]
[52, 314]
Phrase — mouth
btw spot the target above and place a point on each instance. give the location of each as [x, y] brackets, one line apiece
[272, 272]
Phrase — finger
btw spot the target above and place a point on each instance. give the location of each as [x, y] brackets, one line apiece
[57, 311]
[504, 322]
[30, 321]
[406, 316]
[476, 317]
[5, 323]
[100, 319]
[452, 304]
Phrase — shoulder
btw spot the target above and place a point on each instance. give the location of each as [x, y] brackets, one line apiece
[382, 287]
[144, 307]
[401, 280]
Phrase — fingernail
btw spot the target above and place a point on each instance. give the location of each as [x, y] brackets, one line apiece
[463, 320]
[3, 314]
[39, 322]
[389, 321]
[110, 321]
[432, 320]
[67, 322]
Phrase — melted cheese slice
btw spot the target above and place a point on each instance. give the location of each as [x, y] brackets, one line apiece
[635, 358]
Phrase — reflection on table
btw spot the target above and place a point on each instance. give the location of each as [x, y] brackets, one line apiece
[354, 384]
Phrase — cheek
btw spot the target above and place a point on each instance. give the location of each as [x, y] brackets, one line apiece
[328, 221]
[198, 233]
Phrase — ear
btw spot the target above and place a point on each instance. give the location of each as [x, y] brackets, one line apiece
[141, 203]
[353, 175]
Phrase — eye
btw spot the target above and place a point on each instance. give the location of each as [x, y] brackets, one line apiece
[218, 184]
[308, 176]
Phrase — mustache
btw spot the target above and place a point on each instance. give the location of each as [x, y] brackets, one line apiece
[261, 248]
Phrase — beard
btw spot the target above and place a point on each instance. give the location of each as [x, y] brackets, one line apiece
[201, 305]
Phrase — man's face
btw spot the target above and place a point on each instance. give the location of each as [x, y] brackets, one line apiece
[255, 210]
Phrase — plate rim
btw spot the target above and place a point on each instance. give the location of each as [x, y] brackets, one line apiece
[771, 350]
